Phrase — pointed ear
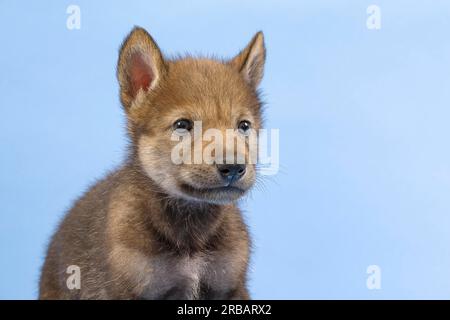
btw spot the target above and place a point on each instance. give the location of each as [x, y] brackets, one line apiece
[141, 65]
[250, 61]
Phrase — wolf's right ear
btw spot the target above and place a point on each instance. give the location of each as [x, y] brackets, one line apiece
[141, 65]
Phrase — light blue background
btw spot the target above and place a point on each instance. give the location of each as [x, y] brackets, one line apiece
[364, 119]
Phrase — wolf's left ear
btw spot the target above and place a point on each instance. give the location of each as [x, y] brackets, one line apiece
[141, 65]
[250, 61]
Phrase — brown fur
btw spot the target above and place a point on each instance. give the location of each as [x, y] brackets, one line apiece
[139, 233]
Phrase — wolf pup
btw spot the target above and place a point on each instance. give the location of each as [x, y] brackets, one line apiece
[155, 229]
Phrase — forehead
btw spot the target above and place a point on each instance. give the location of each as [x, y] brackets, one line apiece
[207, 90]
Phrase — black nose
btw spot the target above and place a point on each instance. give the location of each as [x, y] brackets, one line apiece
[231, 172]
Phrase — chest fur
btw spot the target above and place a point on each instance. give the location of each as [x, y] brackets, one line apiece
[206, 275]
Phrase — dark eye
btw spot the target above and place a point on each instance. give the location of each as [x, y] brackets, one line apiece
[182, 125]
[244, 127]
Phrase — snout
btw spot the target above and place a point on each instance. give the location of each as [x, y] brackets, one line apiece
[231, 172]
[216, 183]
